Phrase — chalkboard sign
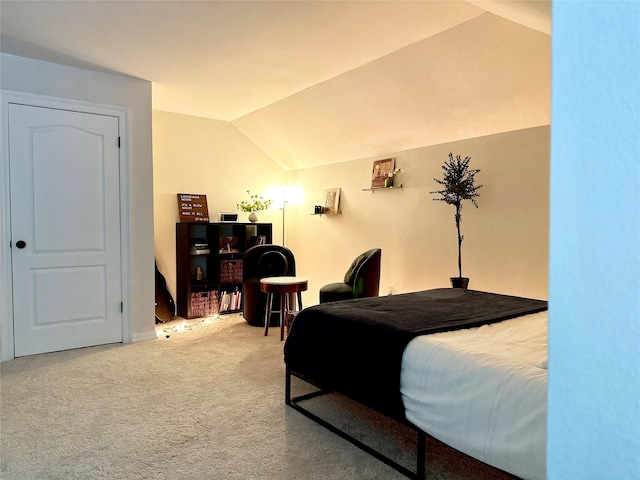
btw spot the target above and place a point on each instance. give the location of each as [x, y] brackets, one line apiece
[193, 208]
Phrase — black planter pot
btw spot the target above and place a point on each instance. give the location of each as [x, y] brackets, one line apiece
[460, 282]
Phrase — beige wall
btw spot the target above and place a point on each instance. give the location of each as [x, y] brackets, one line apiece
[506, 239]
[211, 157]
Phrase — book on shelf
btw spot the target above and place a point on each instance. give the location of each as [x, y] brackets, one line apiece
[200, 248]
[230, 301]
[256, 240]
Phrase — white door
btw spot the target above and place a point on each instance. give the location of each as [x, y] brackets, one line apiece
[65, 229]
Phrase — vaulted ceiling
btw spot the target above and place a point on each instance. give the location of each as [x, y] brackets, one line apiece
[312, 82]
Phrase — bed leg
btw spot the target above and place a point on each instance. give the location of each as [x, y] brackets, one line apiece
[420, 455]
[287, 386]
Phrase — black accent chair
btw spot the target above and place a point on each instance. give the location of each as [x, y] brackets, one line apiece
[259, 262]
[361, 280]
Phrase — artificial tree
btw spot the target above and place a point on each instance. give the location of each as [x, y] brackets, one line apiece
[459, 185]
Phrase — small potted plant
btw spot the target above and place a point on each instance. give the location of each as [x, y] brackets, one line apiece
[458, 182]
[388, 181]
[255, 204]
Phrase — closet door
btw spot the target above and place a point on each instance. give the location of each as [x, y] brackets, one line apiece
[65, 229]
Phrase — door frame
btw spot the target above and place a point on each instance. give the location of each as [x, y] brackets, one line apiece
[7, 97]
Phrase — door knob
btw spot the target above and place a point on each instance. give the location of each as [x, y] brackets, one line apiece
[21, 244]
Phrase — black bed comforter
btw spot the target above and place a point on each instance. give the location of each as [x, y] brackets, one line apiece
[355, 347]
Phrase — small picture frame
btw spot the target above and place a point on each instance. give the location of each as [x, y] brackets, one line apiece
[332, 201]
[380, 170]
[227, 217]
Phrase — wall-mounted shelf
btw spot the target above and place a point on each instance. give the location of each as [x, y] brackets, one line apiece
[374, 190]
[325, 213]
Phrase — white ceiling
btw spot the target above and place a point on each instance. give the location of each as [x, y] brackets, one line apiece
[312, 82]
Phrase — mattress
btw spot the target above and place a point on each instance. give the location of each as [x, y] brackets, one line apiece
[483, 391]
[355, 347]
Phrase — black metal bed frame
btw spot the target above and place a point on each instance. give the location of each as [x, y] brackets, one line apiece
[294, 403]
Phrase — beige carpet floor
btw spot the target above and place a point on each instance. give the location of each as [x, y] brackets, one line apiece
[205, 403]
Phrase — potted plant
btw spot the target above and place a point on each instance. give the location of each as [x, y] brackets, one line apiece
[253, 205]
[458, 182]
[388, 181]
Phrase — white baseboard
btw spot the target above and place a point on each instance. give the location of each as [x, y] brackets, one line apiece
[144, 336]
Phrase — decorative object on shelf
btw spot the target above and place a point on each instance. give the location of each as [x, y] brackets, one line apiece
[381, 168]
[388, 181]
[227, 217]
[255, 204]
[228, 244]
[198, 273]
[331, 201]
[231, 271]
[458, 182]
[193, 208]
[204, 304]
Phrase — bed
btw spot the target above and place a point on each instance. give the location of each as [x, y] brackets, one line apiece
[465, 367]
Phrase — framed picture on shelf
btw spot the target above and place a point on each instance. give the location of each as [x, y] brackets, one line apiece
[331, 200]
[380, 170]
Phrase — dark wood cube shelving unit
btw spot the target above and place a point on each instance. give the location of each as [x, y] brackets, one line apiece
[217, 249]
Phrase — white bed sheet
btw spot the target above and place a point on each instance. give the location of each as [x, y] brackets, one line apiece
[483, 391]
